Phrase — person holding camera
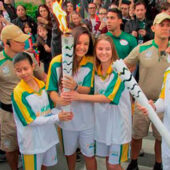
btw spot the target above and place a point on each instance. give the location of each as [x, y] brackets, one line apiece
[140, 27]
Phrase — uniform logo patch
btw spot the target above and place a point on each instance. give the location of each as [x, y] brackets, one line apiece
[114, 154]
[5, 70]
[123, 42]
[148, 54]
[90, 146]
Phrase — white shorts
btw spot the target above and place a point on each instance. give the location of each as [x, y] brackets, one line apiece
[78, 139]
[116, 153]
[34, 162]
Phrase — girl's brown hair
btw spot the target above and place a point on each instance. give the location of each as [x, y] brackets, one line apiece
[114, 52]
[76, 32]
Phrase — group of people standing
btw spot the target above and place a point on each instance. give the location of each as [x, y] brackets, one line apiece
[100, 119]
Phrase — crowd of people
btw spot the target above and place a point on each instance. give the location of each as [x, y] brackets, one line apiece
[103, 120]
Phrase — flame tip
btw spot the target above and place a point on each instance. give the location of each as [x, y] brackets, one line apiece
[61, 15]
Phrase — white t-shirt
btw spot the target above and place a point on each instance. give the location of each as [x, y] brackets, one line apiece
[29, 106]
[83, 111]
[112, 120]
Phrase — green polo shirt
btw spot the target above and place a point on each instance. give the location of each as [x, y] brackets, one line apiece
[124, 43]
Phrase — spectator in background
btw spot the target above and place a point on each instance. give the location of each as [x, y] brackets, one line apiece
[44, 43]
[124, 7]
[76, 20]
[22, 17]
[113, 5]
[10, 9]
[165, 7]
[123, 41]
[69, 10]
[98, 5]
[49, 4]
[140, 27]
[56, 33]
[43, 16]
[92, 19]
[30, 42]
[132, 13]
[101, 27]
[4, 13]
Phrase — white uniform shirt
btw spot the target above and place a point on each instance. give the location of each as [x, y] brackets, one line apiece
[83, 111]
[29, 105]
[163, 105]
[112, 120]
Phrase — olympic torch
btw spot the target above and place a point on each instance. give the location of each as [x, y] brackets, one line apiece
[67, 43]
[137, 93]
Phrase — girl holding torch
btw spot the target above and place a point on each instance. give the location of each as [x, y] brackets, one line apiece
[80, 130]
[112, 106]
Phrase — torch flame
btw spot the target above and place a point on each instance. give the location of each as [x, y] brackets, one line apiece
[61, 16]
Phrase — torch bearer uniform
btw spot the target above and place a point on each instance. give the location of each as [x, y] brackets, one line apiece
[112, 120]
[80, 130]
[162, 105]
[36, 132]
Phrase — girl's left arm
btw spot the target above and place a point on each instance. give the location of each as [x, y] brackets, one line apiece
[71, 84]
[75, 96]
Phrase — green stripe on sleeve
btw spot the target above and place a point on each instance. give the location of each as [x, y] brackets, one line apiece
[53, 78]
[88, 78]
[118, 94]
[110, 90]
[27, 105]
[18, 111]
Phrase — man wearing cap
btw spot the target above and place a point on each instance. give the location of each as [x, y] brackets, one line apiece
[140, 27]
[153, 61]
[13, 39]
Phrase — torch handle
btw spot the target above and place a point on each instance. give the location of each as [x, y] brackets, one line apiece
[155, 119]
[137, 93]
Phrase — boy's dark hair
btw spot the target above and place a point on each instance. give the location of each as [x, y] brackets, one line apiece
[140, 2]
[117, 11]
[42, 26]
[22, 56]
[24, 24]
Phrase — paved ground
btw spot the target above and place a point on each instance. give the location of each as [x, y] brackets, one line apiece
[145, 163]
